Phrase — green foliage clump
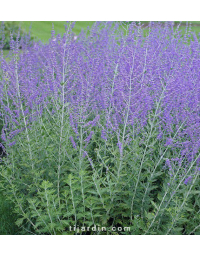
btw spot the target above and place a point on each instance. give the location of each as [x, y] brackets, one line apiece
[58, 188]
[12, 27]
[7, 219]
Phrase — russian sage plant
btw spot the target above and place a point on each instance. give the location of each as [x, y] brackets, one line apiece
[103, 130]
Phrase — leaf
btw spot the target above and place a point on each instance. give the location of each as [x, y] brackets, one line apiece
[154, 205]
[150, 216]
[19, 221]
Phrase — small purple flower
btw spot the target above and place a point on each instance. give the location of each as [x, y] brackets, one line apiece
[188, 180]
[120, 148]
[12, 143]
[87, 140]
[167, 162]
[160, 135]
[169, 142]
[92, 123]
[84, 154]
[73, 142]
[169, 166]
[103, 135]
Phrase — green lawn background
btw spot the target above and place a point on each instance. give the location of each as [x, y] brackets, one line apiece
[42, 29]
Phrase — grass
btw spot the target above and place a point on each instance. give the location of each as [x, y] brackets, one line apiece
[42, 29]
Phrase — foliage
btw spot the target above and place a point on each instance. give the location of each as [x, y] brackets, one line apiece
[12, 28]
[103, 130]
[7, 219]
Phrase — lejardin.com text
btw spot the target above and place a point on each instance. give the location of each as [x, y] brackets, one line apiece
[78, 229]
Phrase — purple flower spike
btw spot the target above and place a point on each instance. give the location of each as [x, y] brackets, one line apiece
[12, 143]
[73, 142]
[188, 180]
